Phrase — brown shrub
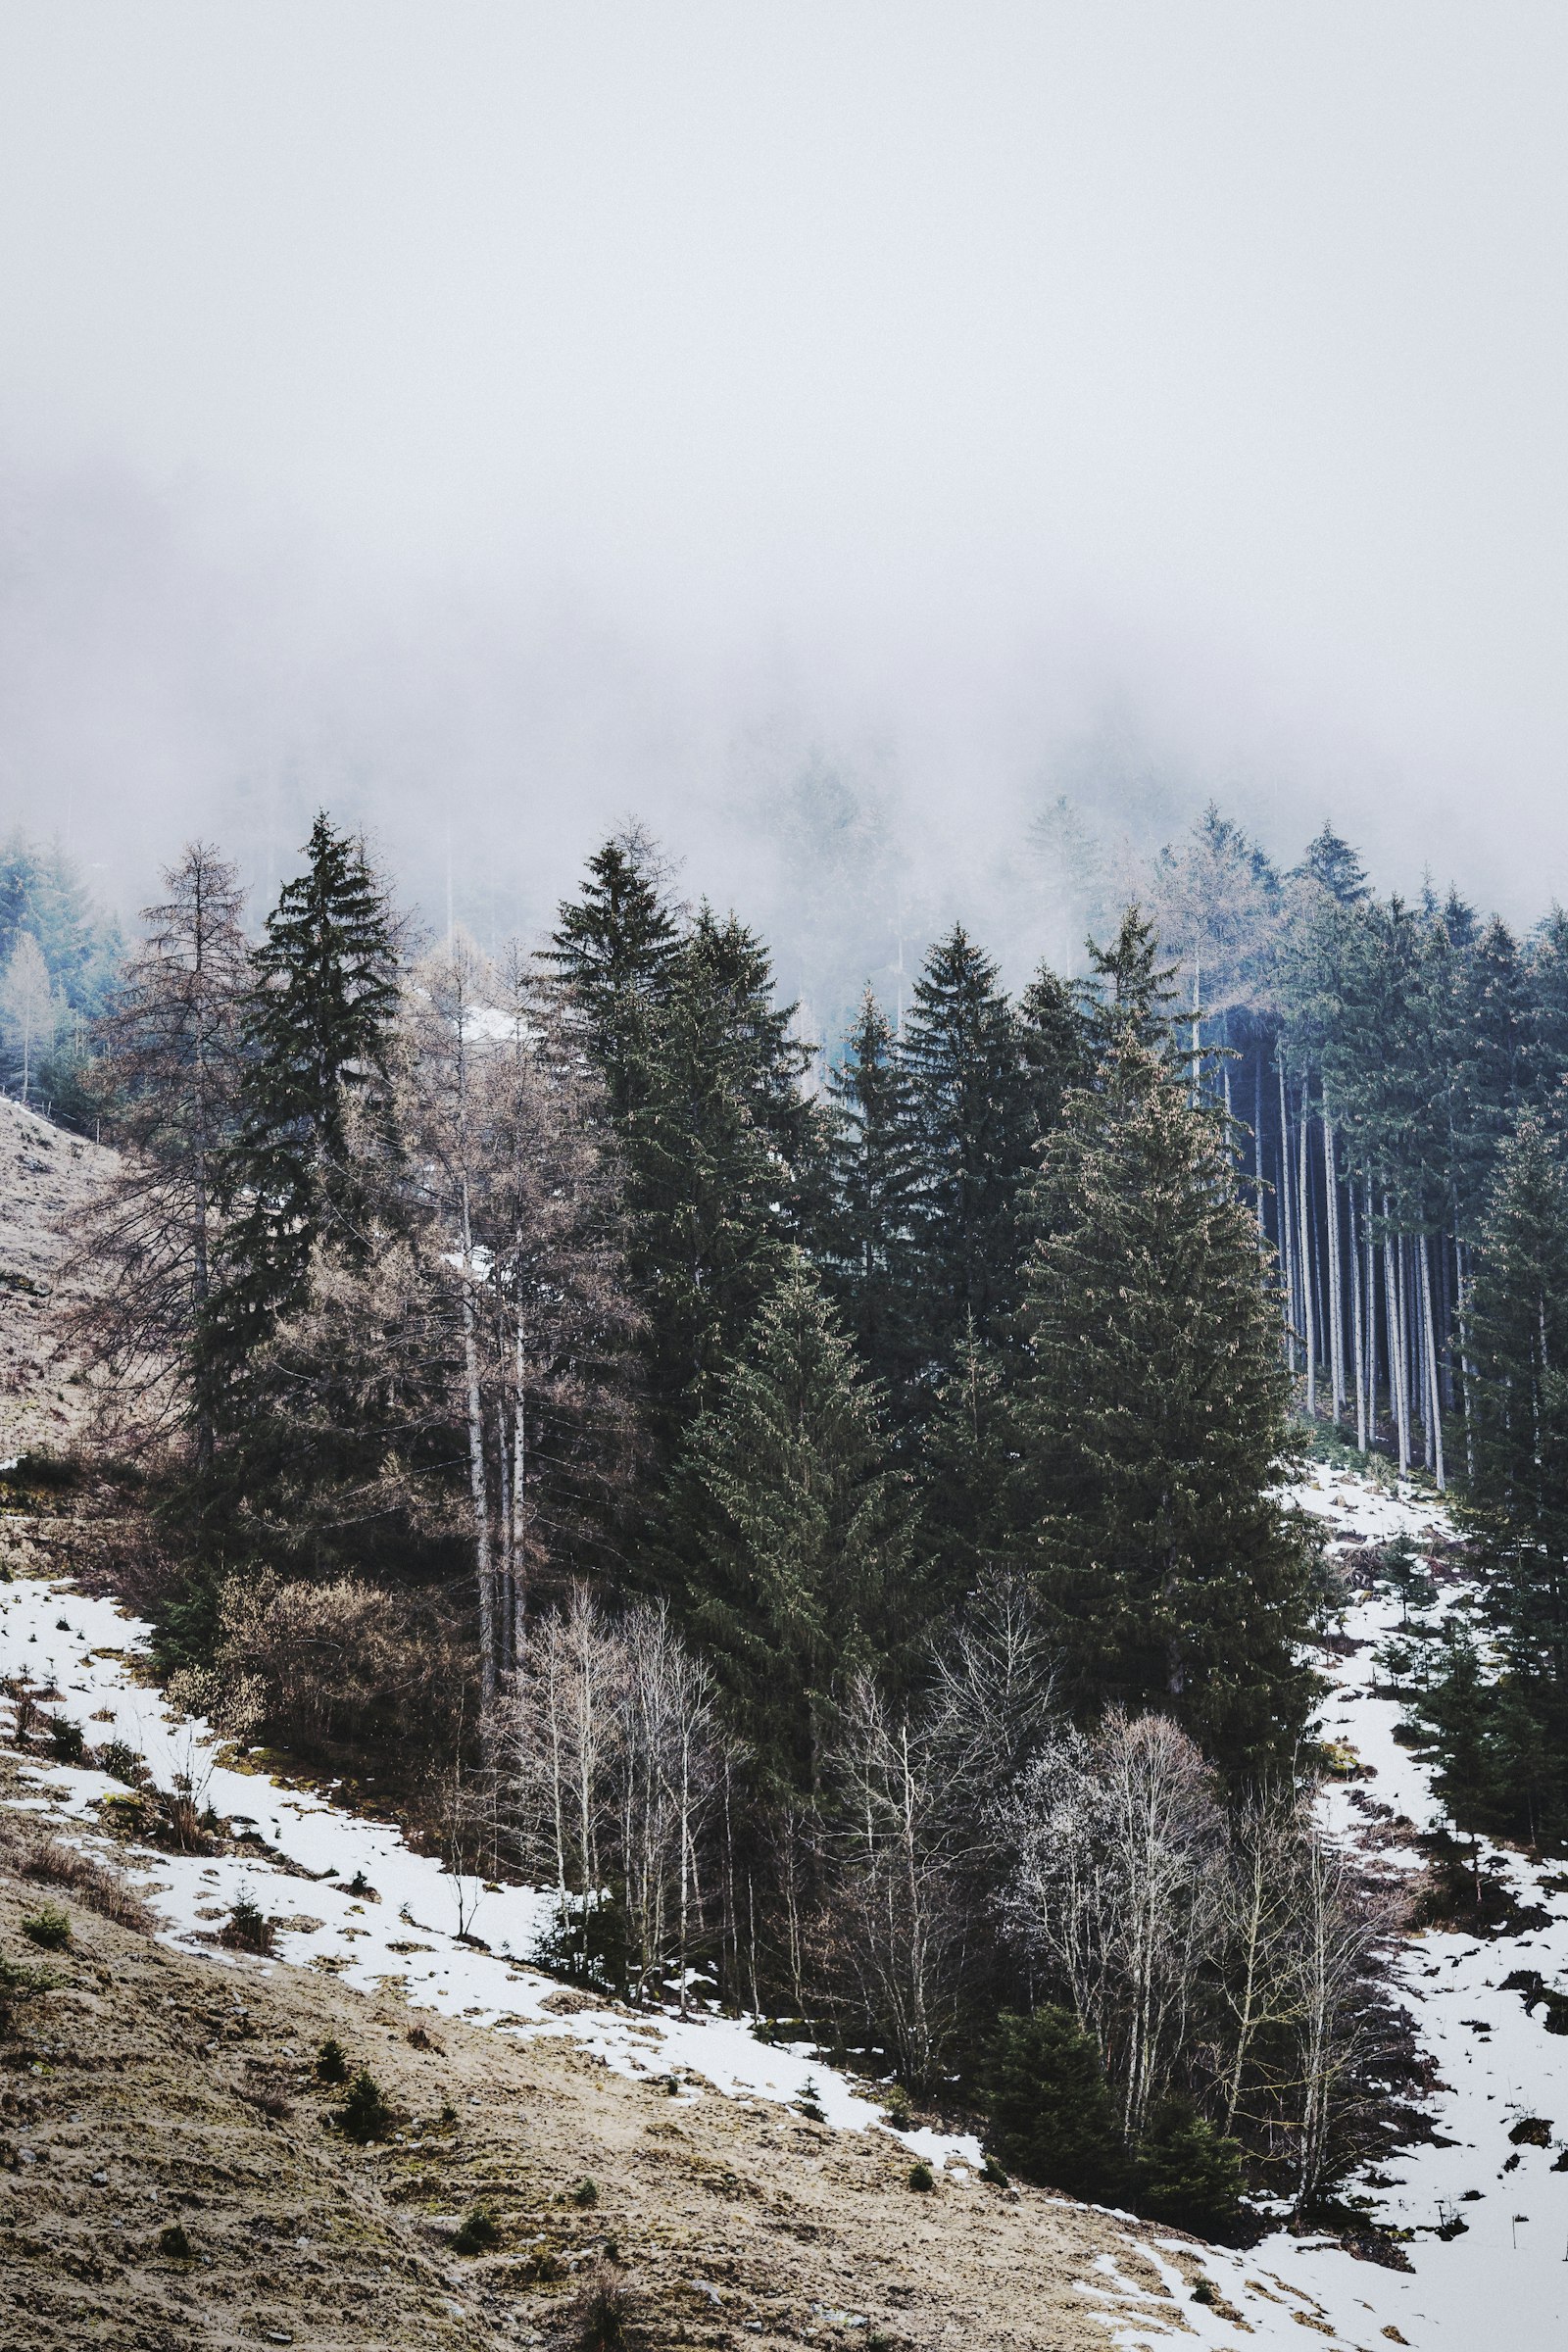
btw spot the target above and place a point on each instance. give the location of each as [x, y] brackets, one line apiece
[94, 1883]
[312, 1663]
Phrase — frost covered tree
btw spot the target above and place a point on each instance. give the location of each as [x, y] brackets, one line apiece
[30, 1011]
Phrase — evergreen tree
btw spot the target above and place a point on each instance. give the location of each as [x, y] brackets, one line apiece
[974, 1134]
[1053, 2113]
[1332, 863]
[1153, 1429]
[874, 1176]
[966, 1460]
[1051, 1034]
[1518, 1343]
[724, 1164]
[1189, 2172]
[796, 1530]
[1127, 992]
[318, 1032]
[614, 949]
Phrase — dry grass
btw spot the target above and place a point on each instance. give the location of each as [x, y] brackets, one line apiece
[47, 1862]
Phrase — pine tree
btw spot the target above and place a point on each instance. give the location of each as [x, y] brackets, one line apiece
[974, 1133]
[1051, 1034]
[615, 948]
[966, 1453]
[724, 1164]
[1052, 2115]
[1518, 1343]
[874, 1174]
[1127, 992]
[1153, 1427]
[317, 1030]
[796, 1530]
[1333, 865]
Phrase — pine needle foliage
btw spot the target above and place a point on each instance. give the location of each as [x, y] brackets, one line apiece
[798, 1530]
[1153, 1426]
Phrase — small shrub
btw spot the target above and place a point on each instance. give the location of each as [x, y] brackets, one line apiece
[246, 1929]
[1053, 2117]
[897, 2110]
[604, 2315]
[1531, 2132]
[1190, 2174]
[49, 1927]
[173, 2242]
[586, 2191]
[477, 2233]
[67, 1739]
[120, 1762]
[810, 2103]
[921, 2177]
[544, 2266]
[331, 2062]
[18, 1984]
[448, 2115]
[1206, 2291]
[364, 2115]
[992, 2171]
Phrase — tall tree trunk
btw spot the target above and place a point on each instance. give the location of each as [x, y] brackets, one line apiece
[1287, 1222]
[1258, 1134]
[1462, 1278]
[1358, 1340]
[1331, 1197]
[1397, 1399]
[1434, 1407]
[479, 1494]
[1370, 1277]
[1308, 1271]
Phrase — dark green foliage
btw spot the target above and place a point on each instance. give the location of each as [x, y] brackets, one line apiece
[476, 2233]
[247, 1928]
[364, 2115]
[968, 1449]
[921, 2177]
[67, 1740]
[1189, 2173]
[993, 2171]
[974, 1128]
[613, 948]
[49, 1927]
[875, 1172]
[1153, 1427]
[586, 2192]
[795, 1525]
[1052, 2116]
[173, 2242]
[316, 1031]
[1503, 1736]
[331, 2062]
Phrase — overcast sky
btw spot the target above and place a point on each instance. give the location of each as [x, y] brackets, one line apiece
[512, 409]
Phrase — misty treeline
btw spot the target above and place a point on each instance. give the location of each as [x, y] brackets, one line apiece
[59, 959]
[833, 1534]
[1401, 1067]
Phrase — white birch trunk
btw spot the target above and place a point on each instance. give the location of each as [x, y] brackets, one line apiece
[1357, 1335]
[1308, 1333]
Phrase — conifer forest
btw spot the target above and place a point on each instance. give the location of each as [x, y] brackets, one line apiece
[821, 1505]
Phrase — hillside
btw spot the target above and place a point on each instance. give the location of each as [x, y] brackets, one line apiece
[46, 1176]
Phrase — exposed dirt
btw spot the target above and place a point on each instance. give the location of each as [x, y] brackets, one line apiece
[46, 1177]
[136, 2096]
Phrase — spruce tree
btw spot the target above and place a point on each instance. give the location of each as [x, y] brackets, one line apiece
[1052, 2115]
[724, 1164]
[974, 1134]
[317, 1030]
[613, 950]
[1153, 1427]
[873, 1173]
[1518, 1344]
[966, 1453]
[797, 1528]
[1052, 1040]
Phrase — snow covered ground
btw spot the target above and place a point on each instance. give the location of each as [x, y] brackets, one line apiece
[1508, 2271]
